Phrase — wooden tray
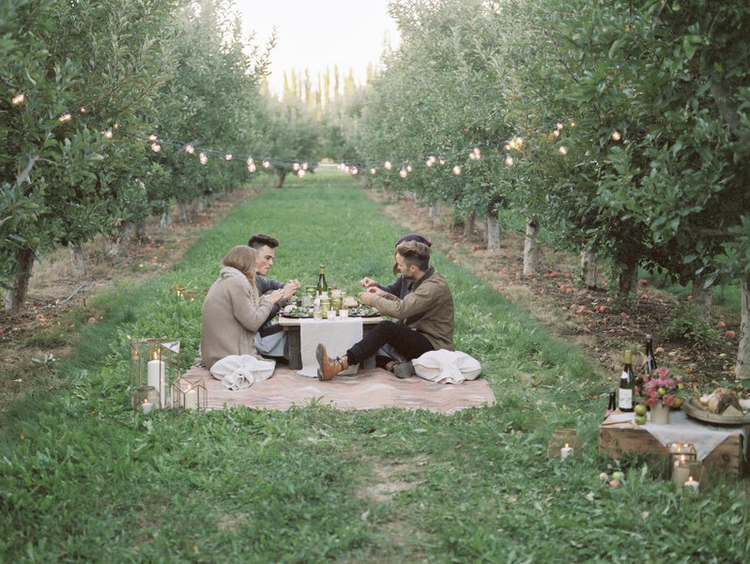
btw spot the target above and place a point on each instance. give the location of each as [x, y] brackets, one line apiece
[717, 418]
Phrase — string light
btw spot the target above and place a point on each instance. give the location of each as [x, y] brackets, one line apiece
[266, 163]
[65, 117]
[563, 150]
[203, 158]
[616, 136]
[387, 165]
[155, 147]
[228, 157]
[18, 99]
[189, 149]
[456, 170]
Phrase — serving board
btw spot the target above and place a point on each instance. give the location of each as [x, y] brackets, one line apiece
[692, 410]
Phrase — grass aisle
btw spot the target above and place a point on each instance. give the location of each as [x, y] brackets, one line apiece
[84, 479]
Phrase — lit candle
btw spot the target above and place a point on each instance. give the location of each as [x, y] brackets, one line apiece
[566, 451]
[691, 483]
[191, 399]
[146, 406]
[156, 376]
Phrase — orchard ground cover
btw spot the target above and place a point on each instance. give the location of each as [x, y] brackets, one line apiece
[82, 478]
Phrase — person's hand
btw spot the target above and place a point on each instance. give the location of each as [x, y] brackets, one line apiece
[366, 297]
[277, 295]
[290, 288]
[367, 282]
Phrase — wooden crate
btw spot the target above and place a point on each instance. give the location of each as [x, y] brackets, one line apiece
[615, 440]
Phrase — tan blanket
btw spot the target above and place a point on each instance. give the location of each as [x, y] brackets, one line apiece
[368, 389]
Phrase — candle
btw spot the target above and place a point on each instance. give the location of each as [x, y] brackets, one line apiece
[566, 451]
[331, 314]
[146, 406]
[156, 377]
[691, 483]
[343, 313]
[191, 399]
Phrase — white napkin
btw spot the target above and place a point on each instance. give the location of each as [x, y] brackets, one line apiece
[338, 335]
[446, 367]
[238, 372]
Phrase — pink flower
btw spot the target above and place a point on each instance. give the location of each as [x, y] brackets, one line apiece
[669, 400]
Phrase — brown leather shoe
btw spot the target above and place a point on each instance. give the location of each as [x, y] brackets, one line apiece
[327, 367]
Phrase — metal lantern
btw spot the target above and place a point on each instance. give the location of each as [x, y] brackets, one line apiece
[154, 363]
[189, 393]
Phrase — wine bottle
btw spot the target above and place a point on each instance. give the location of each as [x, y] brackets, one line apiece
[627, 383]
[612, 405]
[322, 284]
[650, 362]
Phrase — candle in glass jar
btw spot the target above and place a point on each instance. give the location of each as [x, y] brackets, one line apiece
[566, 451]
[691, 483]
[146, 406]
[156, 377]
[191, 398]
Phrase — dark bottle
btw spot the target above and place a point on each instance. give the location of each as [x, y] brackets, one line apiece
[322, 284]
[627, 384]
[649, 364]
[612, 405]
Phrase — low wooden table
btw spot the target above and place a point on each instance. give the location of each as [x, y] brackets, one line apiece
[292, 327]
[618, 435]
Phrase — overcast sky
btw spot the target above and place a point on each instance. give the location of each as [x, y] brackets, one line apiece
[316, 35]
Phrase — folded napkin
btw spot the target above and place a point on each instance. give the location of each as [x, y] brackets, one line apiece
[338, 335]
[446, 367]
[238, 372]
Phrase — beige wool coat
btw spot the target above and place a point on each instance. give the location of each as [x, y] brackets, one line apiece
[230, 318]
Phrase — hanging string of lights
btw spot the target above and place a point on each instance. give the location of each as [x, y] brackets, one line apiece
[456, 161]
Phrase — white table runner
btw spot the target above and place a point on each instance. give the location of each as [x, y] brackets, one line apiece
[336, 334]
[682, 429]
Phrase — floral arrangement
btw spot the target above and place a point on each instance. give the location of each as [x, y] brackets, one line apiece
[661, 388]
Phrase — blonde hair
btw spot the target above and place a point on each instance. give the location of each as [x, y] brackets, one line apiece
[243, 258]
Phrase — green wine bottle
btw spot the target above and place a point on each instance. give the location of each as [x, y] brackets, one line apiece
[627, 383]
[322, 284]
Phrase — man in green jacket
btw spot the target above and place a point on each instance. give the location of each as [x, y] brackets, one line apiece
[426, 315]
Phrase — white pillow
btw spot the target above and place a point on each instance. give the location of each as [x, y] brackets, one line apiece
[444, 366]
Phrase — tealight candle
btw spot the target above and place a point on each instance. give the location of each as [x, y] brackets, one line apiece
[565, 451]
[146, 407]
[691, 483]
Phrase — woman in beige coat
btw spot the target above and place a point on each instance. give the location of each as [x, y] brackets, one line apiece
[233, 311]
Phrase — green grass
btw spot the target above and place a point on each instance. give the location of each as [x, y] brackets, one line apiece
[84, 479]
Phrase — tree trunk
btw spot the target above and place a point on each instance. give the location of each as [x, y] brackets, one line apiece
[118, 244]
[182, 212]
[702, 297]
[435, 213]
[282, 179]
[16, 295]
[493, 232]
[590, 269]
[470, 224]
[76, 256]
[201, 204]
[626, 279]
[742, 368]
[532, 256]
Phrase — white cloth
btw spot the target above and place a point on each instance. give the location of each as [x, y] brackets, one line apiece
[682, 429]
[238, 372]
[338, 335]
[446, 367]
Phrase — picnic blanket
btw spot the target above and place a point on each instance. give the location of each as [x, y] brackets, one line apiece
[368, 389]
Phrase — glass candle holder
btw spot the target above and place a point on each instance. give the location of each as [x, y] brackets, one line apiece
[154, 363]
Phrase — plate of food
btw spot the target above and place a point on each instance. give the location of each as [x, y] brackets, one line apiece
[363, 311]
[296, 312]
[721, 407]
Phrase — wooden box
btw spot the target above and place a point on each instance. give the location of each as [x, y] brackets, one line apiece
[617, 439]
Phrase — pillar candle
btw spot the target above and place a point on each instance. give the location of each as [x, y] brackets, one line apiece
[191, 399]
[691, 483]
[156, 378]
